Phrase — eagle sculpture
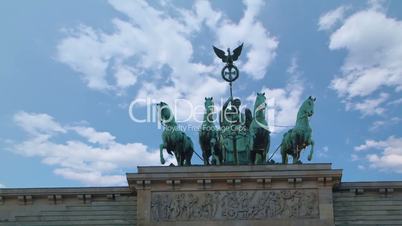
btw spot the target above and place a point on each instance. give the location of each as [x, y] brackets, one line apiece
[230, 58]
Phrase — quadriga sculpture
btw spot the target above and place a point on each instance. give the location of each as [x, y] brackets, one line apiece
[174, 141]
[209, 136]
[259, 132]
[298, 138]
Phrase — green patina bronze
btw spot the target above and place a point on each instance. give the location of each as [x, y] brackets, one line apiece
[209, 136]
[243, 138]
[298, 138]
[235, 133]
[229, 72]
[174, 141]
[259, 131]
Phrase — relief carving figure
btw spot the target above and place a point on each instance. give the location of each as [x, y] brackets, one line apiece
[156, 207]
[194, 206]
[234, 205]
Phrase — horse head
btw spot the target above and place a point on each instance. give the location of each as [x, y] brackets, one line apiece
[259, 104]
[209, 104]
[307, 108]
[165, 113]
[209, 108]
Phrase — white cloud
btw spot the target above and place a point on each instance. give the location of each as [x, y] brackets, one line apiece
[377, 5]
[395, 102]
[149, 40]
[373, 43]
[293, 67]
[94, 136]
[152, 39]
[202, 11]
[83, 52]
[331, 18]
[383, 123]
[262, 46]
[323, 153]
[369, 106]
[125, 76]
[99, 161]
[354, 157]
[369, 144]
[390, 157]
[286, 102]
[377, 124]
[2, 186]
[38, 123]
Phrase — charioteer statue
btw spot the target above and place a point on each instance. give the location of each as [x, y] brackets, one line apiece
[243, 137]
[236, 137]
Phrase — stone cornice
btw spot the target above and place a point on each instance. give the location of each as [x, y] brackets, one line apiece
[241, 168]
[307, 175]
[64, 191]
[384, 187]
[56, 195]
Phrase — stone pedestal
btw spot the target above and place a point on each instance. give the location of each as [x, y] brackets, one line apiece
[235, 195]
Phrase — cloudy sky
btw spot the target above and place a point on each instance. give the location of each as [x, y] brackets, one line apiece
[70, 69]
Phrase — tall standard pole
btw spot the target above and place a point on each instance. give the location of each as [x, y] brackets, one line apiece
[231, 94]
[230, 73]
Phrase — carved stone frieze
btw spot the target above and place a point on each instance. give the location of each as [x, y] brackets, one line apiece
[234, 205]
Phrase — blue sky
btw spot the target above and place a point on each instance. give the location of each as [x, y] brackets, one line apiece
[70, 69]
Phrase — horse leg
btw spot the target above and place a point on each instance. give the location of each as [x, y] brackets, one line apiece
[205, 156]
[188, 160]
[189, 155]
[284, 156]
[188, 151]
[264, 156]
[179, 158]
[204, 149]
[219, 153]
[161, 147]
[296, 157]
[258, 158]
[214, 160]
[252, 157]
[182, 158]
[310, 156]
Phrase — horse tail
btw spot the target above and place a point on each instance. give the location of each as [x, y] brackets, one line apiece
[189, 150]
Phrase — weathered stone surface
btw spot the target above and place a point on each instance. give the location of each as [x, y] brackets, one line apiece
[68, 206]
[234, 205]
[235, 195]
[368, 203]
[281, 195]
